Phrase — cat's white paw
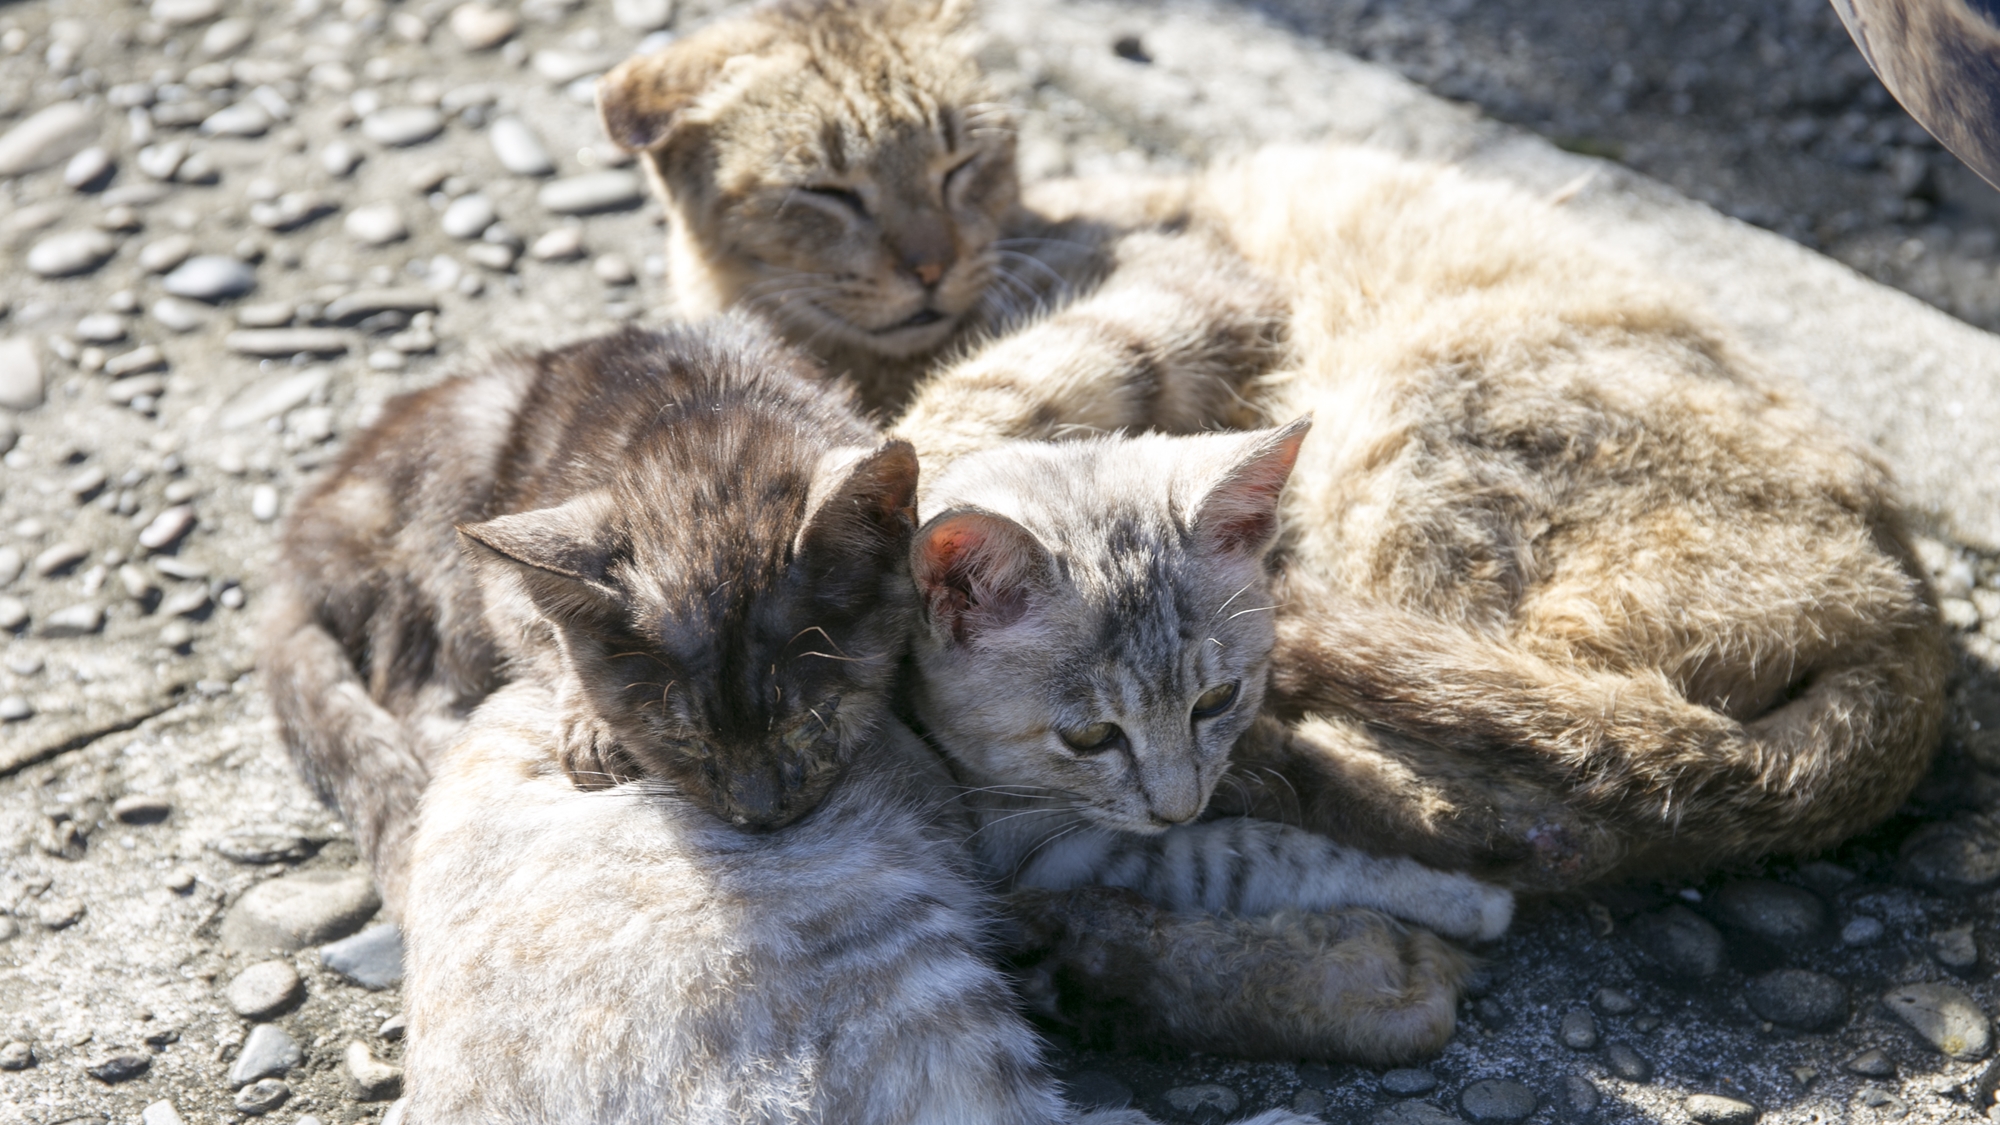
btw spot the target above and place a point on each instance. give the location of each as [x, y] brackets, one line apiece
[1467, 910]
[1496, 911]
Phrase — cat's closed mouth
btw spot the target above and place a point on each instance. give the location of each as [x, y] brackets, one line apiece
[922, 318]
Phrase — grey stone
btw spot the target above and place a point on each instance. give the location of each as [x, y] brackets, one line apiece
[166, 253]
[340, 158]
[1414, 1113]
[73, 621]
[180, 13]
[1945, 1016]
[372, 958]
[371, 1079]
[1579, 1031]
[256, 847]
[267, 1053]
[16, 1055]
[261, 1097]
[1309, 1103]
[161, 161]
[71, 253]
[1955, 949]
[127, 392]
[376, 225]
[160, 1113]
[141, 808]
[1872, 1063]
[264, 989]
[468, 216]
[244, 119]
[1204, 1102]
[20, 374]
[286, 341]
[292, 210]
[101, 328]
[11, 564]
[1682, 941]
[394, 1026]
[1497, 1099]
[1580, 1095]
[1957, 856]
[1627, 1063]
[119, 1066]
[592, 192]
[14, 708]
[273, 397]
[402, 126]
[264, 503]
[226, 37]
[58, 558]
[89, 170]
[1777, 912]
[211, 278]
[146, 358]
[1408, 1082]
[642, 15]
[13, 613]
[518, 149]
[563, 67]
[291, 913]
[53, 134]
[60, 913]
[83, 486]
[1094, 1089]
[613, 269]
[563, 244]
[269, 314]
[496, 256]
[482, 28]
[1862, 930]
[364, 303]
[167, 528]
[1711, 1109]
[1798, 998]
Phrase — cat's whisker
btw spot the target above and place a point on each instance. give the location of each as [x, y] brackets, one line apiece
[1046, 841]
[999, 820]
[1225, 605]
[1256, 609]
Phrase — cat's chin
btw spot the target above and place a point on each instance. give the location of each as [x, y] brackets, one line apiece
[922, 332]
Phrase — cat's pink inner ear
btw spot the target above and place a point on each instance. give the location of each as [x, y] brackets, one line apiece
[1240, 513]
[976, 570]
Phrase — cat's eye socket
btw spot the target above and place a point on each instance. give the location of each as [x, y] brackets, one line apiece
[815, 726]
[846, 197]
[953, 177]
[1097, 738]
[1215, 701]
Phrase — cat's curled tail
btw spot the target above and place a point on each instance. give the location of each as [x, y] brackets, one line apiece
[1472, 751]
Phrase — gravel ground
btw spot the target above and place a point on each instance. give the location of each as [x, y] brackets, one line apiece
[362, 183]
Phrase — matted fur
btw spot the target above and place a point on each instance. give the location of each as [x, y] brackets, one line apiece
[619, 955]
[694, 528]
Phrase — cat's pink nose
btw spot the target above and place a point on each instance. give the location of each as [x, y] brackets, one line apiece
[929, 272]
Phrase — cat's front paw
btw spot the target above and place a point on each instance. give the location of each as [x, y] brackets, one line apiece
[1469, 910]
[1496, 911]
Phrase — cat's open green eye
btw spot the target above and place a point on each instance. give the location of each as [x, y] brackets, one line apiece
[1215, 701]
[846, 197]
[1096, 738]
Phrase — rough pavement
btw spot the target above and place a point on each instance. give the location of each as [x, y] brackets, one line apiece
[238, 227]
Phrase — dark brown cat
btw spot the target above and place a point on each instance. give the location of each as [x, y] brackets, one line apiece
[703, 534]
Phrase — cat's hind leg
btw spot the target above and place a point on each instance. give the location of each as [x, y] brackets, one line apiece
[1347, 984]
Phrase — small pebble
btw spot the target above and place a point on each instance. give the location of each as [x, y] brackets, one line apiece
[1204, 1102]
[376, 225]
[10, 564]
[518, 149]
[167, 528]
[482, 28]
[1862, 930]
[141, 808]
[1497, 1099]
[1408, 1082]
[1579, 1031]
[1776, 912]
[285, 342]
[642, 15]
[73, 621]
[1944, 1015]
[613, 269]
[14, 708]
[1874, 1063]
[176, 635]
[75, 252]
[147, 358]
[261, 1097]
[160, 1113]
[563, 244]
[226, 37]
[161, 161]
[592, 192]
[299, 910]
[1955, 949]
[468, 216]
[264, 989]
[59, 558]
[1581, 1094]
[340, 158]
[211, 278]
[89, 170]
[1681, 941]
[119, 220]
[267, 1053]
[231, 598]
[562, 67]
[16, 1055]
[101, 328]
[1627, 1063]
[496, 256]
[54, 133]
[13, 613]
[118, 1067]
[402, 126]
[244, 119]
[1709, 1109]
[372, 958]
[369, 1078]
[1798, 998]
[21, 386]
[264, 503]
[270, 314]
[180, 13]
[393, 1028]
[166, 253]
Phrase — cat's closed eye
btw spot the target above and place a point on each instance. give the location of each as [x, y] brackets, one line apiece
[846, 197]
[1215, 701]
[815, 726]
[958, 174]
[1097, 738]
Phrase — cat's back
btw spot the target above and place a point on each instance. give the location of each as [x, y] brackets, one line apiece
[618, 955]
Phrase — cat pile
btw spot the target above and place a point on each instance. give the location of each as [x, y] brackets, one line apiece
[1261, 577]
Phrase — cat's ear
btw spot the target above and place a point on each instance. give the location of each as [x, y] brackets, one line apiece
[863, 502]
[977, 571]
[1239, 514]
[562, 555]
[642, 99]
